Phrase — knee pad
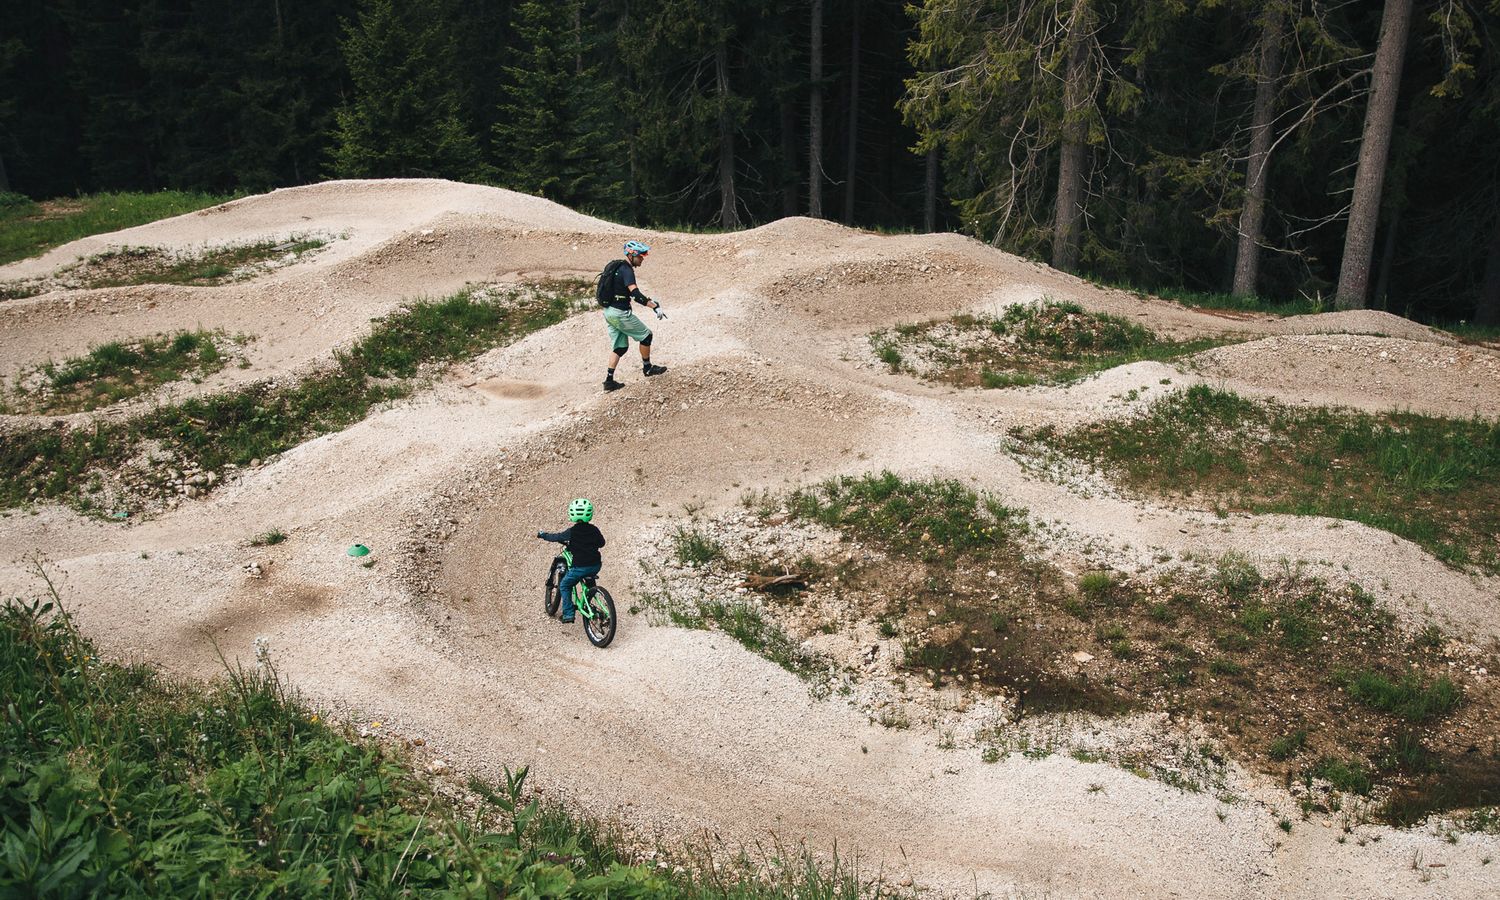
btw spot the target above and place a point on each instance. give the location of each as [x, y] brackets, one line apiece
[646, 341]
[622, 346]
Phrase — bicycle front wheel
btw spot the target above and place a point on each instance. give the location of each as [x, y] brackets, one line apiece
[600, 627]
[552, 597]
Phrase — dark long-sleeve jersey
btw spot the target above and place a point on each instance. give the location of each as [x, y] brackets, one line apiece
[583, 539]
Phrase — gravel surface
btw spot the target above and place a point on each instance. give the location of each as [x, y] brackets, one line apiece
[439, 635]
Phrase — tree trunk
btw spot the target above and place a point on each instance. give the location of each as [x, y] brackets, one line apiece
[1387, 260]
[578, 38]
[815, 114]
[1487, 309]
[853, 119]
[1374, 146]
[929, 207]
[1070, 168]
[728, 213]
[1252, 218]
[788, 172]
[786, 107]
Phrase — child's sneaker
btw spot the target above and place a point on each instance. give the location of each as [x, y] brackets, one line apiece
[611, 385]
[648, 369]
[567, 620]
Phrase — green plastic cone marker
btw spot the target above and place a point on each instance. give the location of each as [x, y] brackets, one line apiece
[359, 550]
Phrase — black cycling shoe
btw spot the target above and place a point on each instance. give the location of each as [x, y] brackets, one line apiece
[569, 620]
[611, 385]
[648, 370]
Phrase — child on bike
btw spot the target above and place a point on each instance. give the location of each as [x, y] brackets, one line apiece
[584, 540]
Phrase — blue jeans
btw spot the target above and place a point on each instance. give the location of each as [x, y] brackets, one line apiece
[574, 575]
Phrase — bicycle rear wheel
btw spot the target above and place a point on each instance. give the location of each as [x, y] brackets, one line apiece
[600, 627]
[553, 596]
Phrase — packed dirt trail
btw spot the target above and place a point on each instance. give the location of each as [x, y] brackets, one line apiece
[771, 384]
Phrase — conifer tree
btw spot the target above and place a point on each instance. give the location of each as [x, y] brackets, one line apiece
[556, 135]
[690, 104]
[1018, 92]
[1364, 213]
[404, 118]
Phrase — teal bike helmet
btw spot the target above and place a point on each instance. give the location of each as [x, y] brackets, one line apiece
[636, 247]
[580, 510]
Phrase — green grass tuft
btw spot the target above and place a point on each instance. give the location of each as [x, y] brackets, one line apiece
[268, 538]
[1346, 775]
[1288, 746]
[693, 547]
[1408, 696]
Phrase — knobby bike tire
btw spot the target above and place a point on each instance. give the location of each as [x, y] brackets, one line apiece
[600, 628]
[552, 597]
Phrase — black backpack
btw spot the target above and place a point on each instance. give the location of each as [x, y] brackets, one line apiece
[605, 293]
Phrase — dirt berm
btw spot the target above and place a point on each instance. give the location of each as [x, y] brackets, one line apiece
[770, 385]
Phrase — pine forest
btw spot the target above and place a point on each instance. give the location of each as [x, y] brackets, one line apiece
[1336, 152]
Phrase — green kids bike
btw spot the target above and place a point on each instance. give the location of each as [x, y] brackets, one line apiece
[595, 605]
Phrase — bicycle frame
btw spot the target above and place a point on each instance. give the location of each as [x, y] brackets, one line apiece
[583, 597]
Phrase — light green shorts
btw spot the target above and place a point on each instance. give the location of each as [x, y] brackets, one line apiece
[623, 325]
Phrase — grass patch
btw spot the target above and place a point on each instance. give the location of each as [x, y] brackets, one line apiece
[945, 537]
[1408, 696]
[756, 633]
[1253, 655]
[1288, 746]
[205, 268]
[1028, 344]
[693, 547]
[1468, 331]
[31, 229]
[1346, 775]
[941, 514]
[117, 467]
[1433, 481]
[121, 782]
[120, 370]
[1210, 300]
[886, 352]
[268, 538]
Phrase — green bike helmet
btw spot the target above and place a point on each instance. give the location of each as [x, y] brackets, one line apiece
[580, 510]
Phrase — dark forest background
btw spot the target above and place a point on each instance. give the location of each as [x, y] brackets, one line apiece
[1213, 146]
